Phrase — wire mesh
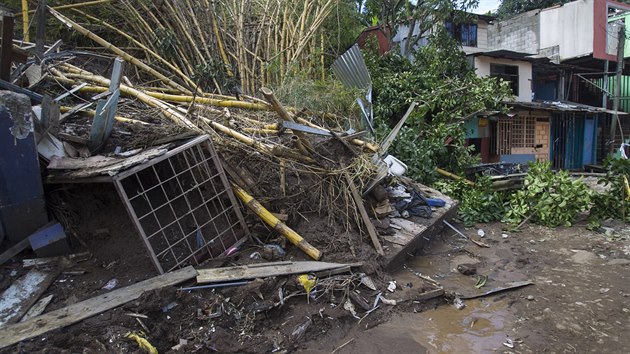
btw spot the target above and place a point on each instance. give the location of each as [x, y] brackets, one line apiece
[183, 206]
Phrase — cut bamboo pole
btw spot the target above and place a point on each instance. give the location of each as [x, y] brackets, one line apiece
[454, 177]
[303, 143]
[68, 22]
[25, 23]
[276, 224]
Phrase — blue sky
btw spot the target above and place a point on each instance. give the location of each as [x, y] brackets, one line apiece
[486, 5]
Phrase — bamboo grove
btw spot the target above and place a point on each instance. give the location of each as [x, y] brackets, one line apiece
[223, 47]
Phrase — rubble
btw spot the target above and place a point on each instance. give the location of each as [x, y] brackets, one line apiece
[180, 167]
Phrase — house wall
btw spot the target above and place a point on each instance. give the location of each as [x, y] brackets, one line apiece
[518, 34]
[482, 65]
[570, 27]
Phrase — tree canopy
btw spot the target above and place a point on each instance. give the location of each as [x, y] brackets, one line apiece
[511, 8]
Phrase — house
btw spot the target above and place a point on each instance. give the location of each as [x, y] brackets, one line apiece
[554, 60]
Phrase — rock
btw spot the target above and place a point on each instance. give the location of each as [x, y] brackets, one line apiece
[467, 268]
[530, 297]
[619, 261]
[583, 257]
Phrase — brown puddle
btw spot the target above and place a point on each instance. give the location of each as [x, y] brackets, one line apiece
[481, 327]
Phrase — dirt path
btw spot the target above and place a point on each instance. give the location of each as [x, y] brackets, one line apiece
[580, 301]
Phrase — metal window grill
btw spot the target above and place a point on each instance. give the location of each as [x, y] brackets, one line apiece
[183, 206]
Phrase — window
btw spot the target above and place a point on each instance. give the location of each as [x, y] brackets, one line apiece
[466, 33]
[508, 73]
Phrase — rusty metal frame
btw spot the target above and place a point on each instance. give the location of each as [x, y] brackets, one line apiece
[182, 205]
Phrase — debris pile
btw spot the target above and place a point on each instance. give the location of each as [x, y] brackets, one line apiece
[207, 180]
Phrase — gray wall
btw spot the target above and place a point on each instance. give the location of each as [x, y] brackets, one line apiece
[519, 34]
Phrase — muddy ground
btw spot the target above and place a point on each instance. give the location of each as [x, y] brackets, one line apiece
[579, 301]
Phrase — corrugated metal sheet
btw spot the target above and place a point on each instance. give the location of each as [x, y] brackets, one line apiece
[350, 68]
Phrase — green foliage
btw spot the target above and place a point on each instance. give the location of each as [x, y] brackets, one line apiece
[448, 91]
[612, 204]
[548, 198]
[478, 204]
[326, 96]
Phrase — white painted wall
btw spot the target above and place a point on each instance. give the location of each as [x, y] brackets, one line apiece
[570, 27]
[482, 65]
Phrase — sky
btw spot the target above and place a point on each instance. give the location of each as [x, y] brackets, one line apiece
[486, 5]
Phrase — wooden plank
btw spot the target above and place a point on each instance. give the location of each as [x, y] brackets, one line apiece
[17, 299]
[38, 308]
[13, 251]
[66, 316]
[262, 270]
[358, 201]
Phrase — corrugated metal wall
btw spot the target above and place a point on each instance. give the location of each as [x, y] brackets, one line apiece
[624, 102]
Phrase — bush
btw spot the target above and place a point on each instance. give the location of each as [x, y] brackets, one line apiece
[478, 204]
[548, 198]
[614, 203]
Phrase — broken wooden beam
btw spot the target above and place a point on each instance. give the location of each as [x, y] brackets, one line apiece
[263, 270]
[14, 250]
[66, 316]
[358, 201]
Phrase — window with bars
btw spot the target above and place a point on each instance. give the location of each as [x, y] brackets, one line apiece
[516, 132]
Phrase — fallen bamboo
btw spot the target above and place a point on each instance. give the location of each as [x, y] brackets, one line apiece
[276, 224]
[131, 59]
[65, 109]
[357, 142]
[66, 79]
[454, 177]
[302, 143]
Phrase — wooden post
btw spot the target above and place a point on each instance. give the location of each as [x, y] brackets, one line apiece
[364, 215]
[7, 43]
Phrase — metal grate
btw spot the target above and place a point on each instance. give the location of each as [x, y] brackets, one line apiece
[183, 206]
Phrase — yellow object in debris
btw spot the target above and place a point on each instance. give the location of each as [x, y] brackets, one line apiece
[143, 343]
[625, 183]
[308, 282]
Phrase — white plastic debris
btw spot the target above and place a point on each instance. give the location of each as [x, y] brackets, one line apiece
[392, 286]
[509, 343]
[481, 233]
[110, 284]
[505, 235]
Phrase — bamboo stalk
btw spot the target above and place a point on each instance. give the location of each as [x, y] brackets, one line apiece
[25, 22]
[142, 46]
[303, 143]
[65, 109]
[276, 224]
[162, 96]
[68, 22]
[72, 6]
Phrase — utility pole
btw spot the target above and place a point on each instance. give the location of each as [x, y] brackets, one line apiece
[605, 90]
[620, 52]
